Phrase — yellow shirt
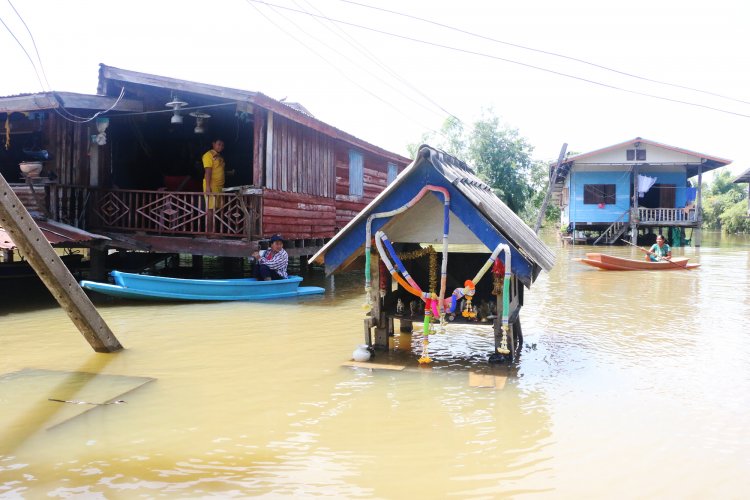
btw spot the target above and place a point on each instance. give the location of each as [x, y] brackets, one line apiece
[215, 162]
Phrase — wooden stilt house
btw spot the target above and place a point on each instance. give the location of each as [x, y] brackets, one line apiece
[438, 244]
[638, 187]
[126, 163]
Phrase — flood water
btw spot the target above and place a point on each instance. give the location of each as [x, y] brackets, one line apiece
[630, 385]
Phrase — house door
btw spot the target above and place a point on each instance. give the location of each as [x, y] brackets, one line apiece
[666, 195]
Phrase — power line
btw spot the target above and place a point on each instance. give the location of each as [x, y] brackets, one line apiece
[541, 51]
[332, 64]
[498, 58]
[28, 56]
[41, 66]
[60, 108]
[364, 68]
[363, 49]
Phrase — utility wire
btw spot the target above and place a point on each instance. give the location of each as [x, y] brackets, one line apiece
[60, 108]
[363, 49]
[41, 66]
[498, 58]
[28, 56]
[364, 68]
[330, 63]
[541, 51]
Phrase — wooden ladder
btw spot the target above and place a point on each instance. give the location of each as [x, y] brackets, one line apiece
[614, 231]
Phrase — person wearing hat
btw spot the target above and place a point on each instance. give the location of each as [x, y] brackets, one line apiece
[272, 263]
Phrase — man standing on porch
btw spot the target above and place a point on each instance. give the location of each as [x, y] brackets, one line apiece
[213, 179]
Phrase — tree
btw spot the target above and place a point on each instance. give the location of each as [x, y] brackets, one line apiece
[501, 157]
[725, 205]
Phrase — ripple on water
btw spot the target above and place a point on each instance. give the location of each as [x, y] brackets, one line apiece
[250, 399]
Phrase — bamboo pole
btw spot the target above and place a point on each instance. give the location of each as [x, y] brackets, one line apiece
[27, 236]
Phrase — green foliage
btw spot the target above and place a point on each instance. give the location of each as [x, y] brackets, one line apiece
[735, 219]
[501, 157]
[723, 184]
[725, 205]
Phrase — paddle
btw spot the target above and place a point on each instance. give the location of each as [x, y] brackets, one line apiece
[681, 266]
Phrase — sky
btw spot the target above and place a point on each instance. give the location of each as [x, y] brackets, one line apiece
[401, 77]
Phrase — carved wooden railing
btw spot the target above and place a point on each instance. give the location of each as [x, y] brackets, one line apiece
[666, 214]
[235, 215]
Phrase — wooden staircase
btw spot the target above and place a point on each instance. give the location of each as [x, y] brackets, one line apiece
[614, 232]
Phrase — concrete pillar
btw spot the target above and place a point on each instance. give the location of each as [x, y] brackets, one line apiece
[30, 240]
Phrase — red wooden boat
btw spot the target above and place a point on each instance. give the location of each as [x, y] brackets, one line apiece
[612, 263]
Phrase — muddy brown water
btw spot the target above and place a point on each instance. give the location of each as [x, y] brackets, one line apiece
[630, 384]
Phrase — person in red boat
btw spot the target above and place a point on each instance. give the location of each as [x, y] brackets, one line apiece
[659, 250]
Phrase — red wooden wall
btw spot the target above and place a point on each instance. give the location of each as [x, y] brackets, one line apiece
[302, 160]
[375, 180]
[298, 215]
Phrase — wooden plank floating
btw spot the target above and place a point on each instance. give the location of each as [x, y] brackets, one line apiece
[27, 236]
[487, 380]
[373, 366]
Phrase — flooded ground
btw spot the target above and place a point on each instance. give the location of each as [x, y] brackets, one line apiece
[630, 385]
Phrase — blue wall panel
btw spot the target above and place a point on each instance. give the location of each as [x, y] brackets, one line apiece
[679, 179]
[592, 213]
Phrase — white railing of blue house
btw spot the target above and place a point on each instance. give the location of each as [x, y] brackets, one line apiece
[666, 215]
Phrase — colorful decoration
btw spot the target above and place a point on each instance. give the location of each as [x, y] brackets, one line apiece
[435, 305]
[391, 213]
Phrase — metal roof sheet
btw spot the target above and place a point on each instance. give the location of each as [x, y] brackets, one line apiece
[477, 192]
[743, 177]
[56, 233]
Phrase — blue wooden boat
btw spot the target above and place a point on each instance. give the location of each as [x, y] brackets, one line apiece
[141, 286]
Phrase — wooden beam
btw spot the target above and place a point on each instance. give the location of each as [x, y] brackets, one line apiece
[552, 181]
[39, 253]
[698, 212]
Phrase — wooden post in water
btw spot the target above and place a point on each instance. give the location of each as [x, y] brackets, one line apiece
[376, 314]
[635, 215]
[39, 253]
[552, 181]
[698, 215]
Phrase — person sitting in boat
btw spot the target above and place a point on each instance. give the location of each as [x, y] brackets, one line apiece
[272, 263]
[659, 250]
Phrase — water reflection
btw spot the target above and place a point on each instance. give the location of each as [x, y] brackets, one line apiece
[623, 375]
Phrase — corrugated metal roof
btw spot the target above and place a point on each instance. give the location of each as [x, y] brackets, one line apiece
[743, 177]
[56, 233]
[497, 212]
[477, 192]
[54, 100]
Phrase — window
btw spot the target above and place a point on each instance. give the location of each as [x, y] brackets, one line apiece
[635, 154]
[392, 172]
[595, 194]
[356, 173]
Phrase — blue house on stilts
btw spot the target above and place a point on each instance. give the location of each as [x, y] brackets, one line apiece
[632, 190]
[437, 247]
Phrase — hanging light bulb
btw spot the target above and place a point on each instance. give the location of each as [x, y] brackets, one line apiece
[199, 117]
[176, 106]
[101, 127]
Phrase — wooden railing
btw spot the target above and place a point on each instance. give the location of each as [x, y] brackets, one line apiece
[235, 215]
[68, 204]
[666, 215]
